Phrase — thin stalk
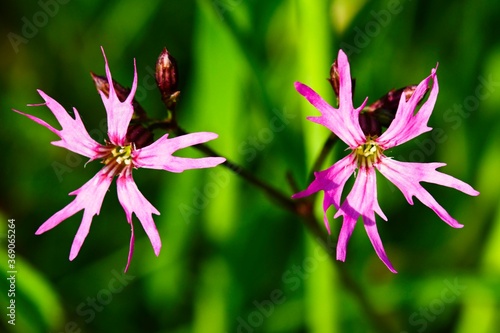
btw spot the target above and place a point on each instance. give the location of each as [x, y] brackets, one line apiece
[304, 209]
[327, 147]
[283, 200]
[381, 323]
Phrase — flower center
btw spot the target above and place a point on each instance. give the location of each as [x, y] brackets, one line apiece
[118, 158]
[368, 153]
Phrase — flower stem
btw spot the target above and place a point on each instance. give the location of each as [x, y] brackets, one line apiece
[282, 199]
[381, 323]
[302, 208]
[327, 147]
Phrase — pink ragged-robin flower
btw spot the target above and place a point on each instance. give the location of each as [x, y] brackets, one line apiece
[120, 156]
[367, 155]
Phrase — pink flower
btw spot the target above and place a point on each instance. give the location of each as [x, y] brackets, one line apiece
[119, 157]
[367, 154]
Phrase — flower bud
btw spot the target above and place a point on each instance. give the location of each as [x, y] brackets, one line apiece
[384, 109]
[102, 85]
[334, 79]
[370, 124]
[166, 78]
[139, 135]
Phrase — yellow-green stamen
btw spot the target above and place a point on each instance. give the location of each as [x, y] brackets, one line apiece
[118, 158]
[368, 153]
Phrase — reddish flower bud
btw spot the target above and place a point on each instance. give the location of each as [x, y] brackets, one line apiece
[102, 85]
[369, 124]
[166, 78]
[384, 109]
[390, 101]
[139, 135]
[335, 78]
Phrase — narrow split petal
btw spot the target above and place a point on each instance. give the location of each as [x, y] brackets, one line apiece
[343, 121]
[73, 134]
[362, 201]
[407, 124]
[133, 201]
[131, 246]
[332, 181]
[344, 125]
[119, 113]
[373, 235]
[348, 225]
[158, 155]
[407, 177]
[89, 197]
[345, 85]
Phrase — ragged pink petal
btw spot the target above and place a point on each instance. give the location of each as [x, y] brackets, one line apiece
[332, 181]
[343, 121]
[89, 197]
[345, 85]
[407, 177]
[119, 113]
[348, 225]
[131, 246]
[362, 201]
[407, 124]
[373, 235]
[133, 201]
[158, 155]
[73, 134]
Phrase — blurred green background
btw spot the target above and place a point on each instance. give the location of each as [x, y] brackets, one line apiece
[232, 261]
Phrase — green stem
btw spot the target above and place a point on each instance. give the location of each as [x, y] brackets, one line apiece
[327, 147]
[381, 323]
[282, 199]
[302, 208]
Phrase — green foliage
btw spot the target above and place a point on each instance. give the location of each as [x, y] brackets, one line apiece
[232, 261]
